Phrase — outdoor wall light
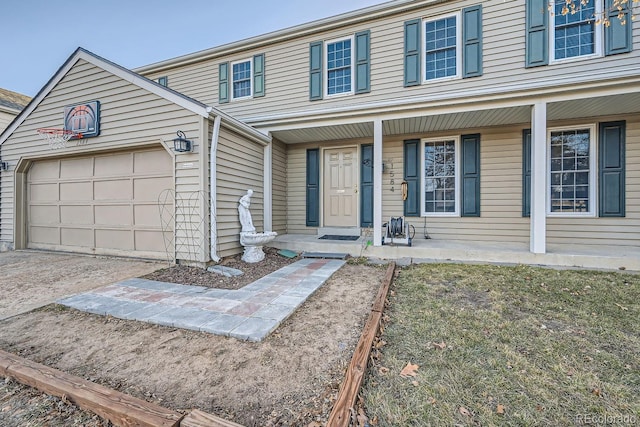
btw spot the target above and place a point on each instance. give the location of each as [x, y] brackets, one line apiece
[181, 144]
[4, 166]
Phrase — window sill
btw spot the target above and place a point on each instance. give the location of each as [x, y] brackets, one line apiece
[571, 215]
[574, 59]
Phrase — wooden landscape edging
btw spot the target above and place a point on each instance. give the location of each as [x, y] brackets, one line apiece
[119, 408]
[341, 414]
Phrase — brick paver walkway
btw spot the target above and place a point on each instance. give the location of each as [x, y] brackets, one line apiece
[250, 313]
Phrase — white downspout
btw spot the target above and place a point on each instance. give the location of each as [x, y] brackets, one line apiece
[213, 187]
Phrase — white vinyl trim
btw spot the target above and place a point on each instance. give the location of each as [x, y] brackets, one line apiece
[593, 171]
[213, 184]
[325, 64]
[377, 183]
[538, 227]
[458, 74]
[458, 180]
[598, 31]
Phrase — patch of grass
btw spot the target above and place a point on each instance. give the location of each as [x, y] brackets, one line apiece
[546, 347]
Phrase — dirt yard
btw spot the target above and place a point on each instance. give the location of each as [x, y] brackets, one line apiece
[31, 279]
[288, 379]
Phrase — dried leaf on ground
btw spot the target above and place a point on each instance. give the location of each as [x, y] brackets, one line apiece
[409, 370]
[500, 409]
[383, 370]
[441, 346]
[464, 411]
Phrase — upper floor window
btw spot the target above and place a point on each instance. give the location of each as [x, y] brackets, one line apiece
[163, 81]
[443, 47]
[442, 43]
[339, 67]
[574, 31]
[241, 79]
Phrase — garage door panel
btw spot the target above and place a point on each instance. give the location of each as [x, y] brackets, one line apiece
[43, 192]
[46, 170]
[151, 240]
[146, 216]
[114, 239]
[114, 165]
[149, 189]
[76, 191]
[46, 235]
[44, 215]
[82, 237]
[115, 189]
[76, 168]
[119, 215]
[76, 214]
[151, 162]
[106, 204]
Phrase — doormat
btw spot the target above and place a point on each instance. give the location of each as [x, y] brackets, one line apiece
[336, 237]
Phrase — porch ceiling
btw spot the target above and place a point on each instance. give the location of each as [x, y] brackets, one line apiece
[627, 103]
[431, 121]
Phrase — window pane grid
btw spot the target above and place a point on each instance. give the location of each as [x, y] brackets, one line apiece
[242, 79]
[570, 171]
[440, 43]
[339, 67]
[574, 33]
[440, 177]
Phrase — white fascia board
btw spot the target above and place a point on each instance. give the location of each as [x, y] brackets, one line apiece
[241, 128]
[326, 24]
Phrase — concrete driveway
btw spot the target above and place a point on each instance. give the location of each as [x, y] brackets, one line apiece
[32, 279]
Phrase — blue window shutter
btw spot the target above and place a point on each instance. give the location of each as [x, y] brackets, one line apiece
[526, 172]
[537, 43]
[223, 83]
[470, 175]
[472, 41]
[612, 169]
[412, 177]
[363, 62]
[366, 186]
[258, 75]
[313, 187]
[315, 71]
[412, 52]
[618, 37]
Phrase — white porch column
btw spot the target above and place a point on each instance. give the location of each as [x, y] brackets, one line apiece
[377, 183]
[538, 239]
[268, 199]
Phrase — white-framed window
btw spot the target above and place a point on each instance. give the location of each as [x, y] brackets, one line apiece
[339, 63]
[574, 34]
[241, 73]
[441, 179]
[572, 171]
[442, 47]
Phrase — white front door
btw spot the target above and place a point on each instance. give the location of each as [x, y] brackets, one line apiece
[341, 187]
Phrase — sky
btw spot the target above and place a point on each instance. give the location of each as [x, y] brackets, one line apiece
[37, 36]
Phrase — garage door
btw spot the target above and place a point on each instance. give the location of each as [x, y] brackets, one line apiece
[104, 204]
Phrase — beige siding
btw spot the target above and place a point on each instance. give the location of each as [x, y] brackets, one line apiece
[500, 191]
[239, 167]
[287, 65]
[130, 118]
[607, 231]
[5, 119]
[279, 187]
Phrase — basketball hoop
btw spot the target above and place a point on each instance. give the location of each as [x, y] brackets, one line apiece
[57, 138]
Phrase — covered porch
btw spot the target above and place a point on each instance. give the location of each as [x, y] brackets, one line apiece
[502, 231]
